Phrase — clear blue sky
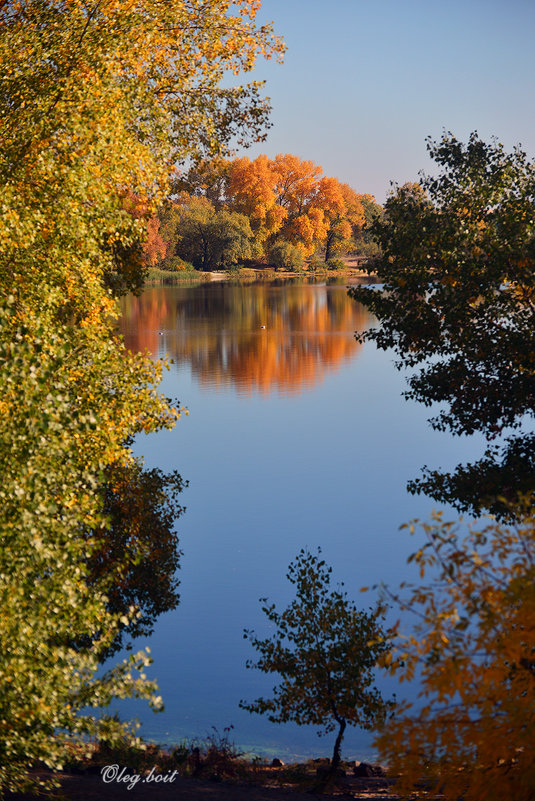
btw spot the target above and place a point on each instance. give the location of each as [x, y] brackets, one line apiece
[364, 82]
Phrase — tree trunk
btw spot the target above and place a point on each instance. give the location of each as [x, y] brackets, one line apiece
[337, 753]
[328, 246]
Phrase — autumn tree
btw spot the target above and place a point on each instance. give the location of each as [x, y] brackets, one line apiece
[319, 210]
[210, 238]
[251, 192]
[156, 245]
[364, 242]
[457, 265]
[325, 650]
[344, 218]
[472, 730]
[103, 105]
[285, 199]
[98, 101]
[289, 199]
[307, 199]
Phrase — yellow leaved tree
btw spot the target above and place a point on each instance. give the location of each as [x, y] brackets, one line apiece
[471, 732]
[98, 101]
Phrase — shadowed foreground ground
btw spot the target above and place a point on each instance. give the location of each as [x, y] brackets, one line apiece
[92, 788]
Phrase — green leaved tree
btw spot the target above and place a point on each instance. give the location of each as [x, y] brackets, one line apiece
[55, 619]
[325, 650]
[209, 237]
[457, 266]
[98, 101]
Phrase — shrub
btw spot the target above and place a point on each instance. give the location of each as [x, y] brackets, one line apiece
[316, 265]
[286, 256]
[176, 264]
[335, 264]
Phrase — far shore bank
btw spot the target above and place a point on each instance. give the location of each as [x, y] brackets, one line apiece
[165, 277]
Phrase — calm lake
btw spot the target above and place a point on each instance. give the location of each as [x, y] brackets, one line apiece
[297, 436]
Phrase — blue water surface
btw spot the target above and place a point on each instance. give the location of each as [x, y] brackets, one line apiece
[297, 436]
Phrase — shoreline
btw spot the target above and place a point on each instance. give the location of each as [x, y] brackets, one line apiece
[117, 780]
[249, 274]
[93, 788]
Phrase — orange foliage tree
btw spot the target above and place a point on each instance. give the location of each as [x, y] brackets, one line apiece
[251, 192]
[155, 248]
[473, 649]
[297, 186]
[288, 202]
[344, 218]
[289, 198]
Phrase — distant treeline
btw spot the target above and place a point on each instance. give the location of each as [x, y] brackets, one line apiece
[280, 211]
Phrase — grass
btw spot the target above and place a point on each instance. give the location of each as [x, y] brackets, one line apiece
[214, 757]
[156, 276]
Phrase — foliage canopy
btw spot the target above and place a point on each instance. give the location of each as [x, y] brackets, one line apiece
[51, 452]
[209, 237]
[325, 651]
[473, 649]
[457, 265]
[98, 100]
[284, 200]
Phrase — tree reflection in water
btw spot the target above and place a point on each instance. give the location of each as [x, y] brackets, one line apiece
[217, 329]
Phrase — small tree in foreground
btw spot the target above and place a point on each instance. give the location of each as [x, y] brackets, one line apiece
[474, 649]
[325, 651]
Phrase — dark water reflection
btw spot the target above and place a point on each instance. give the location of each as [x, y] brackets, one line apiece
[256, 338]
